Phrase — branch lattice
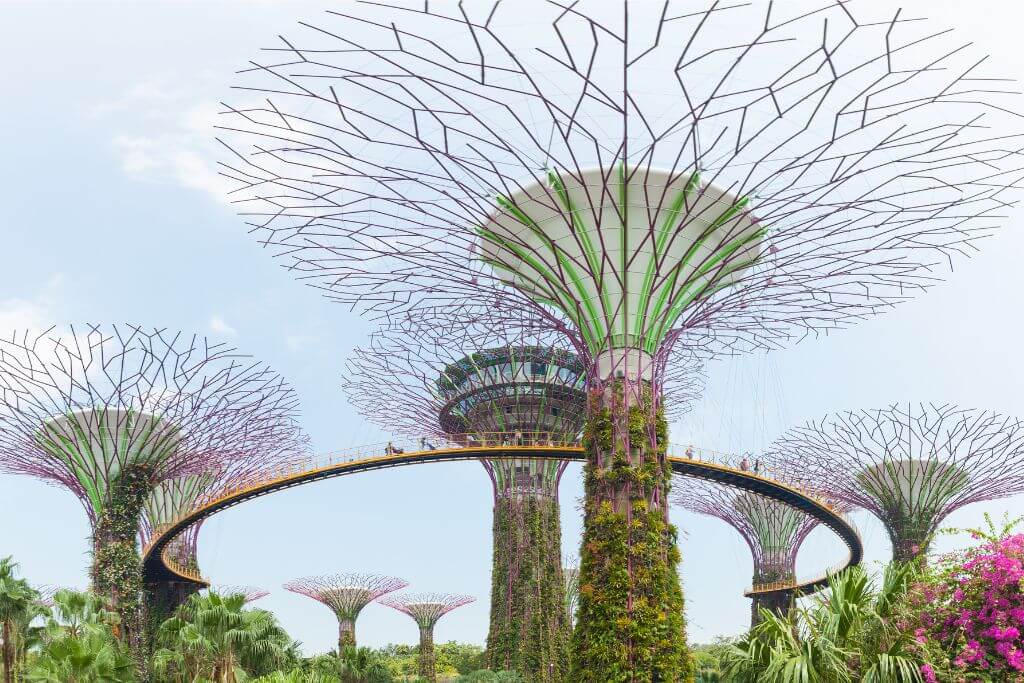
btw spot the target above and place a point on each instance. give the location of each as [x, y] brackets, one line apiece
[786, 171]
[910, 465]
[345, 594]
[771, 529]
[78, 408]
[426, 609]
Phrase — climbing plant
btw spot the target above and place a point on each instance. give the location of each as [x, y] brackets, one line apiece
[631, 625]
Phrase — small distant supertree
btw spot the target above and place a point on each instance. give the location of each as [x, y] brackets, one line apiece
[111, 412]
[909, 465]
[772, 530]
[251, 593]
[346, 595]
[426, 609]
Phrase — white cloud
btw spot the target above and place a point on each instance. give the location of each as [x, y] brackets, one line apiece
[166, 135]
[219, 326]
[35, 314]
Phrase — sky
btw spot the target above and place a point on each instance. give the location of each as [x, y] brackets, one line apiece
[111, 210]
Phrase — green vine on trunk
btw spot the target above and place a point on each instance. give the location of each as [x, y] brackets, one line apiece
[116, 566]
[630, 623]
[529, 630]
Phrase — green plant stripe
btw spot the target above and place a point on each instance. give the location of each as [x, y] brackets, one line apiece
[656, 334]
[554, 284]
[686, 296]
[671, 217]
[624, 231]
[560, 257]
[591, 256]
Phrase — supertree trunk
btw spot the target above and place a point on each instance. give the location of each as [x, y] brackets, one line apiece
[346, 634]
[428, 670]
[909, 543]
[163, 599]
[777, 602]
[116, 566]
[630, 624]
[529, 632]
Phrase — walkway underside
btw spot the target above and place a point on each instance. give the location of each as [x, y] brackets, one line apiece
[159, 568]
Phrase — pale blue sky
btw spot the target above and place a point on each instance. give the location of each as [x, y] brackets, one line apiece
[112, 211]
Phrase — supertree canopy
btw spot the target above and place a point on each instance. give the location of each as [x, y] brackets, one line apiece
[772, 530]
[909, 465]
[112, 412]
[346, 595]
[426, 609]
[640, 176]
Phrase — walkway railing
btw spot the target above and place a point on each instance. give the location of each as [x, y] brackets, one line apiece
[529, 444]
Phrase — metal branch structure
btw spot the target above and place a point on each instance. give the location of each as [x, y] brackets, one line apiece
[426, 609]
[909, 465]
[641, 177]
[346, 595]
[112, 412]
[771, 529]
[250, 593]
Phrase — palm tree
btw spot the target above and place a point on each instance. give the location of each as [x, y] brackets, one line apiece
[848, 635]
[362, 665]
[17, 602]
[78, 644]
[214, 637]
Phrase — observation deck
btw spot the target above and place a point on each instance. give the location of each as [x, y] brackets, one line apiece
[158, 566]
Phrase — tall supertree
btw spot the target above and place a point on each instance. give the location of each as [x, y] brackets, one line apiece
[640, 177]
[426, 609]
[112, 412]
[346, 595]
[517, 386]
[772, 530]
[909, 465]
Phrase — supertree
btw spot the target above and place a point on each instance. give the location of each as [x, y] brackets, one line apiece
[640, 177]
[346, 595]
[772, 530]
[475, 384]
[111, 412]
[426, 609]
[909, 465]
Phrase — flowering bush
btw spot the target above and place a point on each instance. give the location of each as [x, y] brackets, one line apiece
[967, 613]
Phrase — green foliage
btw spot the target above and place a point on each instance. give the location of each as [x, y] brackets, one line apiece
[78, 645]
[630, 623]
[850, 634]
[116, 567]
[486, 676]
[709, 660]
[214, 636]
[17, 609]
[362, 665]
[529, 631]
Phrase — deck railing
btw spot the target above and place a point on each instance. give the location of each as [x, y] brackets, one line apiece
[526, 441]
